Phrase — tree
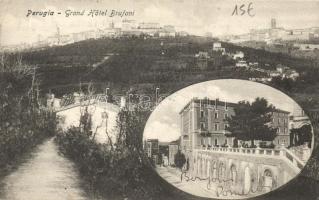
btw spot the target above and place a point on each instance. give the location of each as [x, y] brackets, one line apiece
[179, 159]
[302, 135]
[252, 121]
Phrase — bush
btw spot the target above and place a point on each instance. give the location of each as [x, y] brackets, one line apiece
[23, 122]
[113, 170]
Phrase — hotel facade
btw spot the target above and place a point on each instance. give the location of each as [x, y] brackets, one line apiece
[204, 123]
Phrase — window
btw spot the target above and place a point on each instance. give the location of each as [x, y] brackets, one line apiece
[201, 113]
[278, 130]
[285, 130]
[225, 116]
[225, 126]
[216, 127]
[202, 125]
[278, 120]
[216, 115]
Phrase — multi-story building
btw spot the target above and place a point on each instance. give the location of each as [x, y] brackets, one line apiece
[151, 148]
[204, 123]
[150, 25]
[280, 121]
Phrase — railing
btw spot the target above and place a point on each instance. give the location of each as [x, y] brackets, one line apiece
[294, 160]
[279, 153]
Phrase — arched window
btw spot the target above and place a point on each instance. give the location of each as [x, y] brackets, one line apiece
[268, 180]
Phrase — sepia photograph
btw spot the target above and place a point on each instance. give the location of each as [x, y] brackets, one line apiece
[216, 139]
[159, 99]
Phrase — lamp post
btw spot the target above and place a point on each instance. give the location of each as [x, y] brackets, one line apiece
[106, 93]
[156, 95]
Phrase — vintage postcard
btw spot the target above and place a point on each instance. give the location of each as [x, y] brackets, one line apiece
[159, 99]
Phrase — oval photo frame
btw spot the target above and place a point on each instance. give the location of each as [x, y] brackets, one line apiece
[228, 139]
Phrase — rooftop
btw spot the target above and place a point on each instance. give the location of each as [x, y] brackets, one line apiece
[217, 102]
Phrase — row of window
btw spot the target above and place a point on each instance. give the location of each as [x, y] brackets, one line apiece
[280, 130]
[209, 142]
[280, 120]
[202, 114]
[216, 126]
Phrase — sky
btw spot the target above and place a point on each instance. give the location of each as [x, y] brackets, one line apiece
[193, 16]
[164, 122]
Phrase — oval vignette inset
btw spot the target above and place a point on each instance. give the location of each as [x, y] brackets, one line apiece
[228, 139]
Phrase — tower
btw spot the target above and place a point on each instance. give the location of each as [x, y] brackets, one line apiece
[58, 34]
[273, 23]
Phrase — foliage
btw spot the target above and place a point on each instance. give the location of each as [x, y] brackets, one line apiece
[115, 169]
[23, 122]
[304, 134]
[251, 121]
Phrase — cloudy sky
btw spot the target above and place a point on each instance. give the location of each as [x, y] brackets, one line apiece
[163, 123]
[193, 16]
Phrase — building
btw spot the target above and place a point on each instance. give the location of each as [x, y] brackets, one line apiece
[102, 114]
[280, 120]
[145, 25]
[172, 151]
[128, 25]
[151, 147]
[217, 46]
[166, 33]
[242, 63]
[204, 123]
[238, 55]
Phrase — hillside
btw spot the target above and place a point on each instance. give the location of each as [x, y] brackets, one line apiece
[168, 63]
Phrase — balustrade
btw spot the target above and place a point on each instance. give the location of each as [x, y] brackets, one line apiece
[281, 152]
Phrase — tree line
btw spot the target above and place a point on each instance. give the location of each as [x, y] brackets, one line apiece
[24, 122]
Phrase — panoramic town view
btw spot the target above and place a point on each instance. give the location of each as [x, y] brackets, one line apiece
[131, 99]
[225, 149]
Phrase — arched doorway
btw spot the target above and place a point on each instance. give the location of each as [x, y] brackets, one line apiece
[214, 170]
[207, 168]
[247, 181]
[199, 165]
[268, 180]
[233, 174]
[221, 171]
[203, 169]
